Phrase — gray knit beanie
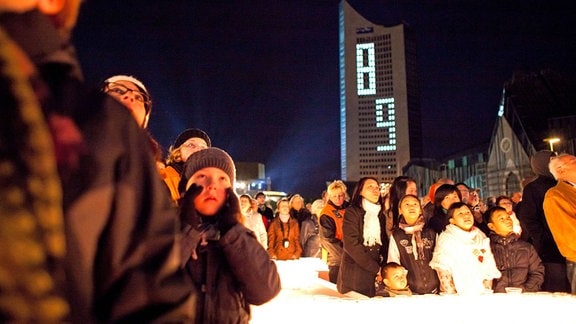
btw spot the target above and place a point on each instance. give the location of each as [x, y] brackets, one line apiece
[209, 157]
[539, 163]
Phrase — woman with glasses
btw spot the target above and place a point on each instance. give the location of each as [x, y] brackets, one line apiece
[189, 141]
[131, 93]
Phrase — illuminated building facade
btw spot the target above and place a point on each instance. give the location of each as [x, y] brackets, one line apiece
[380, 124]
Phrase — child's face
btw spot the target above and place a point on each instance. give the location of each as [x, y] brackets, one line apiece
[410, 209]
[501, 223]
[214, 182]
[396, 278]
[463, 218]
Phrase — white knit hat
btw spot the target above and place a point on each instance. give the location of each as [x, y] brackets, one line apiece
[140, 85]
[121, 77]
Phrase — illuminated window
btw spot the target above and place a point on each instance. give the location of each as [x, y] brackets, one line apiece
[388, 121]
[366, 69]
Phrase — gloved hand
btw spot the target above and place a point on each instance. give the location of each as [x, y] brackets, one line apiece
[230, 214]
[194, 236]
[190, 239]
[188, 214]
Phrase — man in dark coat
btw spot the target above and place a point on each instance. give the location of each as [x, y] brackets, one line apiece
[531, 216]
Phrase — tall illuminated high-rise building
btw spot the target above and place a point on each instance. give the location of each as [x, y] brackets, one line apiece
[379, 98]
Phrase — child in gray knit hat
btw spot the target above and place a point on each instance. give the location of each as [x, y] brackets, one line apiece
[227, 264]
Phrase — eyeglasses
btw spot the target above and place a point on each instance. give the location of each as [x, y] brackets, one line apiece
[194, 146]
[121, 90]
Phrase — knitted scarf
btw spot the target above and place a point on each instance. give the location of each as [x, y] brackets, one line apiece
[371, 223]
[416, 232]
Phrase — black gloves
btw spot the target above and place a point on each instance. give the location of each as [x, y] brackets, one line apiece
[198, 230]
[230, 213]
[188, 214]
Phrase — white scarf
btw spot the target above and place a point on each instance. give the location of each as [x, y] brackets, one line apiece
[371, 223]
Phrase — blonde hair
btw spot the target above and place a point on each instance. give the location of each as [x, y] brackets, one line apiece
[174, 155]
[336, 185]
[317, 206]
[296, 196]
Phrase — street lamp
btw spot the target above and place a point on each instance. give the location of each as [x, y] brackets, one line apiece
[551, 141]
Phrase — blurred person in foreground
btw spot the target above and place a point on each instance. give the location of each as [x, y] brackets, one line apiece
[121, 258]
[32, 243]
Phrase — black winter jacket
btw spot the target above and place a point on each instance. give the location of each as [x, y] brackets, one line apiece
[422, 279]
[360, 263]
[518, 262]
[531, 216]
[230, 274]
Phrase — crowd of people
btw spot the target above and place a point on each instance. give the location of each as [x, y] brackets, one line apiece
[99, 225]
[450, 241]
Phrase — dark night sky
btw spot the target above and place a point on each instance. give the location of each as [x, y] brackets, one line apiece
[261, 77]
